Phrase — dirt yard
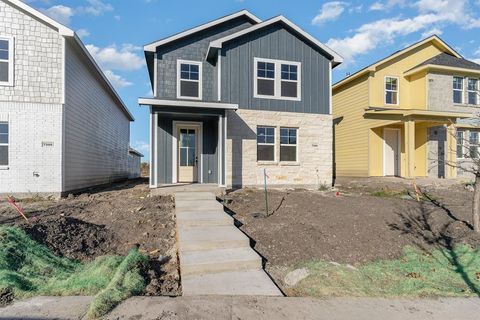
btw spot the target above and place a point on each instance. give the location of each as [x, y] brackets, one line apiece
[368, 220]
[107, 220]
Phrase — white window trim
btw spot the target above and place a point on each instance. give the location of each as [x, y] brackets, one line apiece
[462, 91]
[476, 91]
[11, 61]
[464, 144]
[278, 79]
[3, 166]
[289, 145]
[186, 124]
[274, 144]
[385, 90]
[200, 75]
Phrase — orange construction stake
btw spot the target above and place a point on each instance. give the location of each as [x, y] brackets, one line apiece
[20, 210]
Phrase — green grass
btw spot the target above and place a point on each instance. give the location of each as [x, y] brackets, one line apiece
[30, 269]
[417, 274]
[389, 193]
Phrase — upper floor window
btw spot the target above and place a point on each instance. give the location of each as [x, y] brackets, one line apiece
[457, 90]
[276, 79]
[189, 79]
[6, 61]
[391, 90]
[472, 91]
[3, 143]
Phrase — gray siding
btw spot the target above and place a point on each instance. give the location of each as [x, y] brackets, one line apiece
[274, 42]
[192, 48]
[96, 130]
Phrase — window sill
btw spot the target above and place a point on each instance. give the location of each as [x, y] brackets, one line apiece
[267, 163]
[289, 163]
[4, 168]
[466, 105]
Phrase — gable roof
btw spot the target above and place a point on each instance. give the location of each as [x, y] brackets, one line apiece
[447, 60]
[152, 47]
[69, 33]
[371, 68]
[217, 44]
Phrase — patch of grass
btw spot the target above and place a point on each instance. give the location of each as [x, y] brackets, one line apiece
[31, 269]
[324, 187]
[417, 274]
[389, 193]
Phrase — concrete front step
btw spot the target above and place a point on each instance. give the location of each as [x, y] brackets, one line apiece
[210, 238]
[202, 218]
[219, 260]
[198, 205]
[195, 196]
[249, 283]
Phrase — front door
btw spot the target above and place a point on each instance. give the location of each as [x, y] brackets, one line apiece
[187, 154]
[391, 152]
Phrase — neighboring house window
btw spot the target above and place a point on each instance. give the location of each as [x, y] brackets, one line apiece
[6, 61]
[473, 144]
[460, 143]
[391, 90]
[189, 79]
[3, 144]
[457, 90]
[288, 144]
[265, 144]
[276, 79]
[472, 91]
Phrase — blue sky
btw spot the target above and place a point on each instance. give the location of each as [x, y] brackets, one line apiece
[361, 31]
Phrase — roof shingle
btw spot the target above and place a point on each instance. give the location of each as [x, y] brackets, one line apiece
[447, 60]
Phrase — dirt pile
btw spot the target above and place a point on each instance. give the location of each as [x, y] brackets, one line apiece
[70, 237]
[6, 296]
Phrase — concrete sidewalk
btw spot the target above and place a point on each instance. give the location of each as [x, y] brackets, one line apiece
[251, 308]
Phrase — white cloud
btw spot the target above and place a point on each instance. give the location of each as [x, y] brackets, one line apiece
[117, 80]
[330, 11]
[83, 33]
[386, 5]
[59, 13]
[432, 14]
[431, 32]
[96, 8]
[114, 58]
[142, 146]
[477, 53]
[377, 6]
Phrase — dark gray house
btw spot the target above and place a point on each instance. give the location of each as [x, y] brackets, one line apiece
[238, 95]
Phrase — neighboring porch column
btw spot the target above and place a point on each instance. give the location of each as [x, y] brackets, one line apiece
[451, 152]
[153, 148]
[409, 127]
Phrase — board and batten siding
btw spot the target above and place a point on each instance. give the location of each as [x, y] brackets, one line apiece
[274, 42]
[96, 129]
[352, 130]
[193, 48]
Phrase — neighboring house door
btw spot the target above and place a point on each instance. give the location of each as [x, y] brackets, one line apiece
[188, 153]
[391, 152]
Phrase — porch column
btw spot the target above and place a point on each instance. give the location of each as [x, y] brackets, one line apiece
[451, 152]
[222, 138]
[153, 148]
[410, 148]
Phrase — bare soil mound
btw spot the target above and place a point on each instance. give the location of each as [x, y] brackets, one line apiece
[70, 237]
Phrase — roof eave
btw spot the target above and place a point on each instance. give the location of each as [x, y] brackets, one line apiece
[186, 103]
[428, 67]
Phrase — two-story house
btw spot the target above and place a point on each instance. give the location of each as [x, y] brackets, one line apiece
[400, 115]
[62, 125]
[237, 96]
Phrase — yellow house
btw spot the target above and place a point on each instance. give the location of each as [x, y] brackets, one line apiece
[398, 116]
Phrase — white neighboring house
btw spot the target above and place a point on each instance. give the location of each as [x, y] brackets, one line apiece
[62, 125]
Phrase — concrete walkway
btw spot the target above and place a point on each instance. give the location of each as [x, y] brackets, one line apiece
[250, 308]
[215, 256]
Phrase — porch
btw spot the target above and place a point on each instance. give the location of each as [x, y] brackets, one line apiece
[187, 143]
[399, 145]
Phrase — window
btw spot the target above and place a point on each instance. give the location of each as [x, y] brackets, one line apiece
[472, 91]
[288, 144]
[391, 90]
[457, 90]
[189, 79]
[473, 144]
[276, 79]
[3, 144]
[289, 81]
[460, 143]
[6, 61]
[265, 144]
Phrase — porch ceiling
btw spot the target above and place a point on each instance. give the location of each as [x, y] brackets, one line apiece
[402, 115]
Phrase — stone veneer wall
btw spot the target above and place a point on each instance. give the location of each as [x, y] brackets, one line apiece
[314, 165]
